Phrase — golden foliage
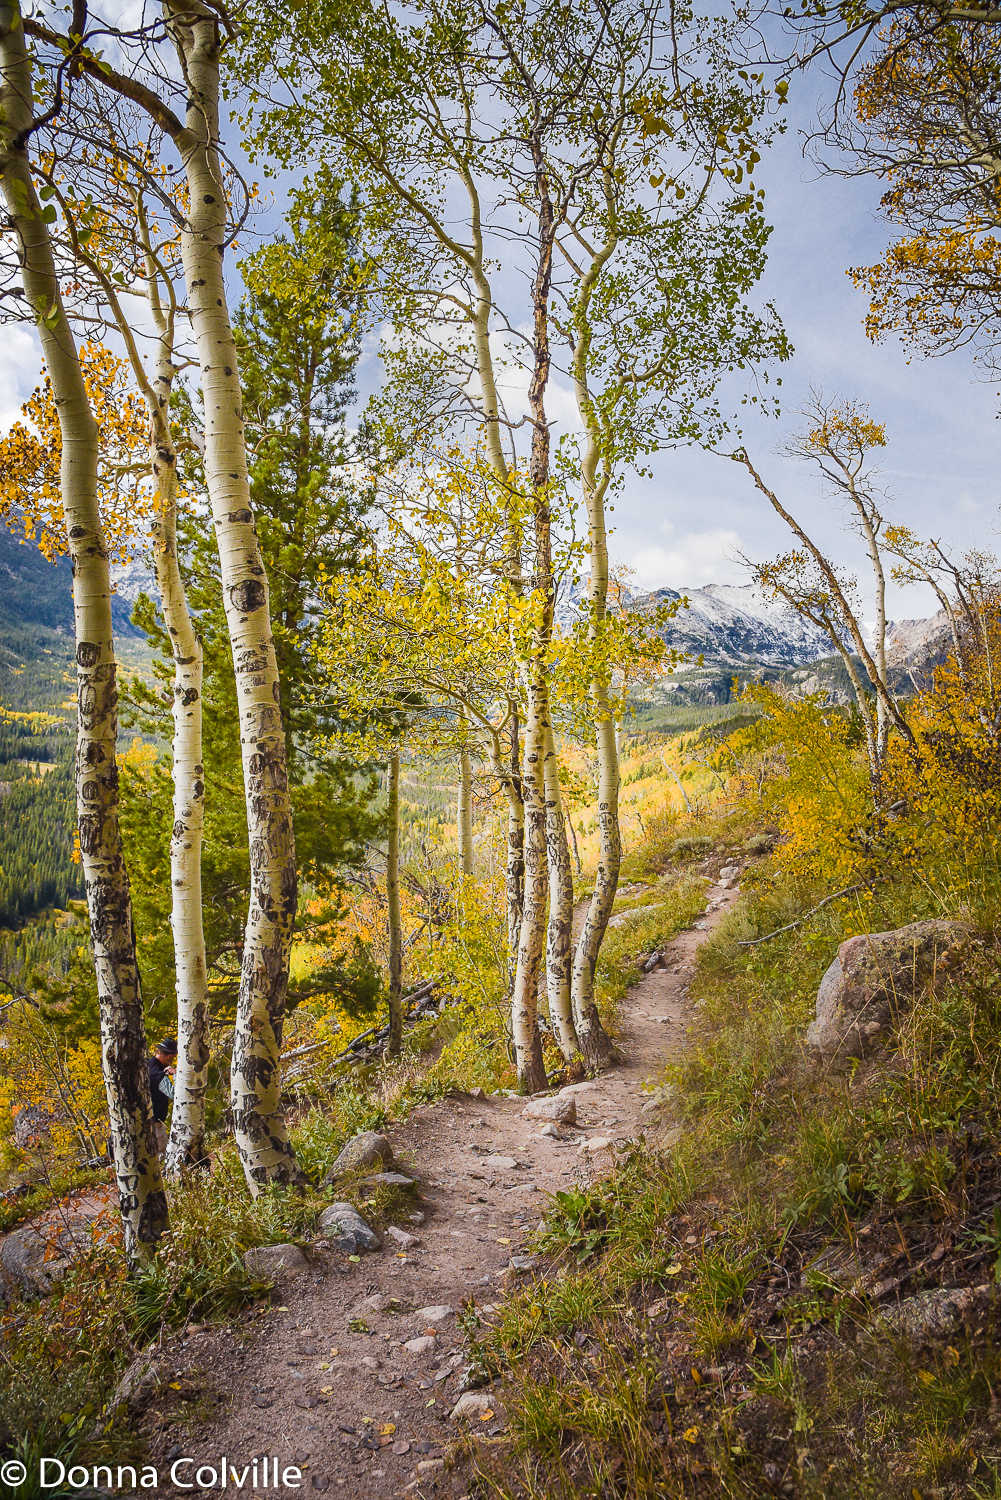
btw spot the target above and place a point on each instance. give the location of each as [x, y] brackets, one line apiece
[31, 454]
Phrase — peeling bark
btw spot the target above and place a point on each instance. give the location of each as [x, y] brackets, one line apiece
[258, 1120]
[123, 1033]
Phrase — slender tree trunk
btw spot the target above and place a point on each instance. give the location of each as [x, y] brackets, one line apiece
[595, 1045]
[559, 936]
[525, 996]
[123, 1034]
[394, 916]
[258, 1119]
[464, 813]
[538, 728]
[186, 1145]
[514, 881]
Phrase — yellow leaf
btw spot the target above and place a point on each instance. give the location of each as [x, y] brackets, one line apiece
[696, 1377]
[486, 1415]
[387, 1428]
[692, 1435]
[926, 1376]
[503, 1242]
[326, 1389]
[175, 1385]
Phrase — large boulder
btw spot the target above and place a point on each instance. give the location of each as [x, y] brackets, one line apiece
[369, 1149]
[874, 980]
[33, 1260]
[559, 1109]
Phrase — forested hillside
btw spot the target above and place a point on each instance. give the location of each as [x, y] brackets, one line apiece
[470, 1025]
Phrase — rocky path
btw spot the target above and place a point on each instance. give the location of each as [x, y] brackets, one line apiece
[353, 1378]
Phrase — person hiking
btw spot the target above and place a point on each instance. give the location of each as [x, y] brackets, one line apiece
[161, 1087]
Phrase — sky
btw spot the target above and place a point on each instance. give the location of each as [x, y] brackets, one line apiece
[685, 525]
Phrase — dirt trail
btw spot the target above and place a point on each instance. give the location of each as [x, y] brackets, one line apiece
[357, 1411]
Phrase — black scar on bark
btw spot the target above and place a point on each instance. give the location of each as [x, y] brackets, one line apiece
[239, 515]
[247, 596]
[87, 653]
[190, 695]
[76, 532]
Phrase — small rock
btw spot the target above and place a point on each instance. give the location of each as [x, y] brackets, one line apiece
[378, 1302]
[422, 1344]
[550, 1130]
[402, 1237]
[577, 1088]
[472, 1406]
[369, 1149]
[370, 1362]
[593, 1146]
[436, 1314]
[269, 1261]
[415, 1218]
[348, 1230]
[477, 1093]
[400, 1447]
[561, 1110]
[430, 1466]
[523, 1262]
[504, 1163]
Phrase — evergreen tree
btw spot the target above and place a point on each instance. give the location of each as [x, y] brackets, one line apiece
[298, 337]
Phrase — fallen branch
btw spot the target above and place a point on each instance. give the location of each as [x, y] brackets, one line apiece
[849, 890]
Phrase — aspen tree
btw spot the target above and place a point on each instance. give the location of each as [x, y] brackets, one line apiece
[143, 1204]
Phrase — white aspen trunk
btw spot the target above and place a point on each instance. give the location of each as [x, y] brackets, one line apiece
[258, 1120]
[879, 580]
[595, 1045]
[559, 935]
[464, 813]
[143, 1203]
[538, 727]
[394, 915]
[525, 993]
[186, 1143]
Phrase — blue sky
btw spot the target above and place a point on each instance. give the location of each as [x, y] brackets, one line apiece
[940, 466]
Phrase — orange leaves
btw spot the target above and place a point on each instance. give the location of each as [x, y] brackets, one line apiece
[30, 458]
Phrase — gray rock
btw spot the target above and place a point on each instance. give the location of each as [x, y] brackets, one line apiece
[348, 1230]
[842, 1266]
[524, 1262]
[268, 1262]
[422, 1344]
[388, 1179]
[874, 981]
[31, 1126]
[940, 1313]
[402, 1237]
[370, 1149]
[34, 1259]
[562, 1109]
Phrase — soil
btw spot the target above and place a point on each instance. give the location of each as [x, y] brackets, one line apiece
[323, 1381]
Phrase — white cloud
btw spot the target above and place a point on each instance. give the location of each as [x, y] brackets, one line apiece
[692, 561]
[19, 374]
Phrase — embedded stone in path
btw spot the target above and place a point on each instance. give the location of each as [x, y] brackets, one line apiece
[267, 1261]
[402, 1238]
[594, 1145]
[478, 1406]
[562, 1110]
[436, 1314]
[421, 1345]
[345, 1226]
[369, 1149]
[505, 1163]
